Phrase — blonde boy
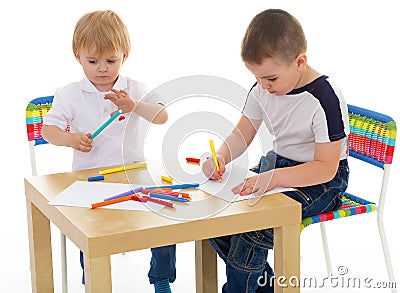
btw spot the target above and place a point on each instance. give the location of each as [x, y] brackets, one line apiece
[101, 45]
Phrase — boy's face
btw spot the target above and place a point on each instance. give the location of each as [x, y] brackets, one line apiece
[102, 71]
[278, 77]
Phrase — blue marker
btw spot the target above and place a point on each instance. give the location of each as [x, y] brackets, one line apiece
[95, 178]
[168, 197]
[178, 186]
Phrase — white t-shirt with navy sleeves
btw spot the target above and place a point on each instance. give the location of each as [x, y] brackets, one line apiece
[314, 113]
[84, 108]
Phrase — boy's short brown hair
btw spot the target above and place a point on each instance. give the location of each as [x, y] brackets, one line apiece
[102, 31]
[273, 33]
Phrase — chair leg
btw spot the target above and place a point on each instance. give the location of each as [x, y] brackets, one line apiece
[64, 263]
[326, 249]
[386, 253]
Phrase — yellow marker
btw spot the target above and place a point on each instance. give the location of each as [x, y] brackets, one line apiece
[123, 168]
[166, 178]
[214, 155]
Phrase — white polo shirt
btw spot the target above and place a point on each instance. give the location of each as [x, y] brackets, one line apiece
[315, 113]
[83, 107]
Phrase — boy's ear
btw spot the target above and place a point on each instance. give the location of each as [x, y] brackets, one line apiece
[301, 61]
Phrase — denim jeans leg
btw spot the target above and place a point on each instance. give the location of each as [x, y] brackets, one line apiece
[315, 199]
[221, 245]
[324, 197]
[245, 256]
[163, 264]
[82, 265]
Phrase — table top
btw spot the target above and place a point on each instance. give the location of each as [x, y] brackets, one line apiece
[100, 232]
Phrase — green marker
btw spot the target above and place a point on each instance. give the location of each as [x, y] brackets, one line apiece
[112, 118]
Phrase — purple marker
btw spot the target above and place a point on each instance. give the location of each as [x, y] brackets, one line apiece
[126, 193]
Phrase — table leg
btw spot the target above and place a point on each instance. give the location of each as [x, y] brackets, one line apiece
[206, 267]
[40, 250]
[287, 259]
[97, 274]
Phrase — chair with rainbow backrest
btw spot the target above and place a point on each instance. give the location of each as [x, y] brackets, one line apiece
[35, 111]
[372, 140]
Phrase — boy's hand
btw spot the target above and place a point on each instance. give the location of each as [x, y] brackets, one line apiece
[210, 170]
[122, 100]
[258, 184]
[81, 142]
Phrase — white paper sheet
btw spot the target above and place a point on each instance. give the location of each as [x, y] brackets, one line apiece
[83, 194]
[231, 178]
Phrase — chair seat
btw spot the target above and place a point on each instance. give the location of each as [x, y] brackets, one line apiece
[351, 205]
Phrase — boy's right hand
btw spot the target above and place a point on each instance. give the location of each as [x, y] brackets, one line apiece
[210, 170]
[81, 142]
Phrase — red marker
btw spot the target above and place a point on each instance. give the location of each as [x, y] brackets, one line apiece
[174, 193]
[159, 190]
[159, 201]
[193, 160]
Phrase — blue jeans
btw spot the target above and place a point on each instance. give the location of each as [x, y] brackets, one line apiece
[162, 264]
[245, 254]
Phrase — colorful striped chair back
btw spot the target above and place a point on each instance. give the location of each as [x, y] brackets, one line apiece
[372, 136]
[372, 139]
[35, 111]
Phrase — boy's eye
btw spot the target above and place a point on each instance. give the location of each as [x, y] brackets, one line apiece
[92, 61]
[272, 79]
[111, 61]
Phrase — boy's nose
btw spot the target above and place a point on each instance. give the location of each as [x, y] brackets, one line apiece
[102, 67]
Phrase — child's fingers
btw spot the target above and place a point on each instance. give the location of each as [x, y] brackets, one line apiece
[222, 169]
[124, 92]
[242, 188]
[115, 91]
[112, 97]
[217, 175]
[85, 144]
[237, 188]
[120, 94]
[248, 186]
[85, 148]
[214, 174]
[86, 138]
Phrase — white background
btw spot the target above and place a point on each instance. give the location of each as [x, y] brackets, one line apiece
[354, 42]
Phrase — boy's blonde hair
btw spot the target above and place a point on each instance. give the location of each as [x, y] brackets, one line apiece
[273, 33]
[102, 31]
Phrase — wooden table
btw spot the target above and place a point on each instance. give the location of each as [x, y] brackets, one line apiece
[100, 233]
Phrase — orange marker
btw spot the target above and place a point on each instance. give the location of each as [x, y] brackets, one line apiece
[112, 201]
[176, 193]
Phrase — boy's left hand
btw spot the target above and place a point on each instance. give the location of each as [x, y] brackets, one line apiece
[122, 100]
[258, 184]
